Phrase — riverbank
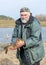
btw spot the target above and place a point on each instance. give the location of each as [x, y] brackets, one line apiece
[11, 23]
[7, 23]
[43, 23]
[10, 58]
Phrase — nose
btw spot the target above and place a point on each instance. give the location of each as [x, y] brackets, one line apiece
[23, 17]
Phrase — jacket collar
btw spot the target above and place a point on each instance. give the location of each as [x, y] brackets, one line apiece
[19, 22]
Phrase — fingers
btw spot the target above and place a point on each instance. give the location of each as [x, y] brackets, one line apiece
[19, 43]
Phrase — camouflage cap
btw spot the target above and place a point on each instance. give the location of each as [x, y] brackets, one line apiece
[24, 9]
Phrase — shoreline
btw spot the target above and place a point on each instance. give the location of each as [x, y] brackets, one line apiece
[11, 23]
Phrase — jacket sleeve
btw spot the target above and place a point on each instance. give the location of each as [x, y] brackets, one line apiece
[15, 34]
[34, 39]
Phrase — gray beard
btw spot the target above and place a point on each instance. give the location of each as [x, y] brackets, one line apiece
[23, 21]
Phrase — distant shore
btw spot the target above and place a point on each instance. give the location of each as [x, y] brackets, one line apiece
[43, 23]
[11, 23]
[7, 23]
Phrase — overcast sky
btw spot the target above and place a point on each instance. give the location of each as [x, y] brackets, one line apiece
[12, 7]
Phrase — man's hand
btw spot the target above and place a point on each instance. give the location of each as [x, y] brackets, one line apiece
[19, 43]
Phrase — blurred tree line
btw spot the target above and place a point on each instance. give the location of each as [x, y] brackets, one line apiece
[3, 17]
[40, 17]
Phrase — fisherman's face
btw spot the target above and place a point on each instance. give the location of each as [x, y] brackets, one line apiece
[24, 16]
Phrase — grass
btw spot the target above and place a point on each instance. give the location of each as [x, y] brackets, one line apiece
[43, 23]
[11, 57]
[7, 23]
[11, 23]
[2, 45]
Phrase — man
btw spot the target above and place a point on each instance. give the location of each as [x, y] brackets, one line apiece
[30, 48]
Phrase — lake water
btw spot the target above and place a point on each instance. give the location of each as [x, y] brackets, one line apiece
[6, 34]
